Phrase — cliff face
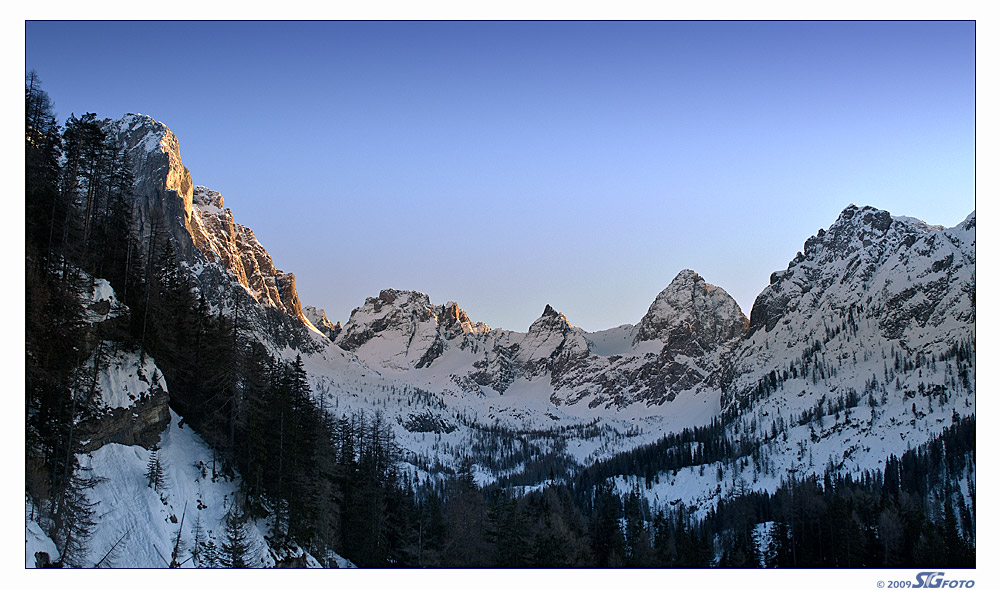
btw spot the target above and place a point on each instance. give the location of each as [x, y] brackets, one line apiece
[201, 229]
[222, 240]
[163, 188]
[131, 404]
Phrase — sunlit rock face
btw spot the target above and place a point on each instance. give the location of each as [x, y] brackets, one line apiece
[202, 230]
[236, 247]
[163, 188]
[317, 317]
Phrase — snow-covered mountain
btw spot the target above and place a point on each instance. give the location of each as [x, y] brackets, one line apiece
[873, 286]
[863, 348]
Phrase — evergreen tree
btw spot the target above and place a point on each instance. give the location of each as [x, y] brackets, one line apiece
[607, 540]
[235, 548]
[154, 470]
[505, 531]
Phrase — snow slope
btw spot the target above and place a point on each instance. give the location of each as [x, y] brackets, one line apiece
[144, 522]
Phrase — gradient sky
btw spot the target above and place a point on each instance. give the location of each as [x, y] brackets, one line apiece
[507, 165]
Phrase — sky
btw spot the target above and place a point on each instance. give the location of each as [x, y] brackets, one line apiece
[510, 165]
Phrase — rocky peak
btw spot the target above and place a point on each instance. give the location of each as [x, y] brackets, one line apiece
[162, 183]
[856, 252]
[690, 306]
[317, 317]
[393, 311]
[201, 229]
[411, 301]
[550, 321]
[870, 282]
[551, 341]
[454, 322]
[403, 329]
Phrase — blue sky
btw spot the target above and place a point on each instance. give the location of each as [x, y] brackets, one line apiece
[507, 165]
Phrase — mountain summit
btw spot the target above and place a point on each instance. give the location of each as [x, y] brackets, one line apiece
[691, 308]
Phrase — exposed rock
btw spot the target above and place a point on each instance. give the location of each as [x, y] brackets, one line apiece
[317, 317]
[236, 247]
[140, 424]
[402, 329]
[132, 407]
[428, 422]
[552, 344]
[695, 310]
[867, 251]
[162, 184]
[203, 231]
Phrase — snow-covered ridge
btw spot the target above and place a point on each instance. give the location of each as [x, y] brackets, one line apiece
[874, 309]
[685, 333]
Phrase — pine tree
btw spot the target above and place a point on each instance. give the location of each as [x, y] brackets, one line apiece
[209, 555]
[154, 470]
[72, 520]
[43, 147]
[607, 540]
[235, 548]
[505, 531]
[197, 539]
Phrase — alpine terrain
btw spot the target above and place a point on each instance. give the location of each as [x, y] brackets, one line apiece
[185, 409]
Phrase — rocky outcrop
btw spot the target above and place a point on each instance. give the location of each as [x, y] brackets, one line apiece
[317, 317]
[140, 424]
[131, 404]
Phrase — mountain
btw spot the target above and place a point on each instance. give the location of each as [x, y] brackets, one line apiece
[861, 350]
[872, 285]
